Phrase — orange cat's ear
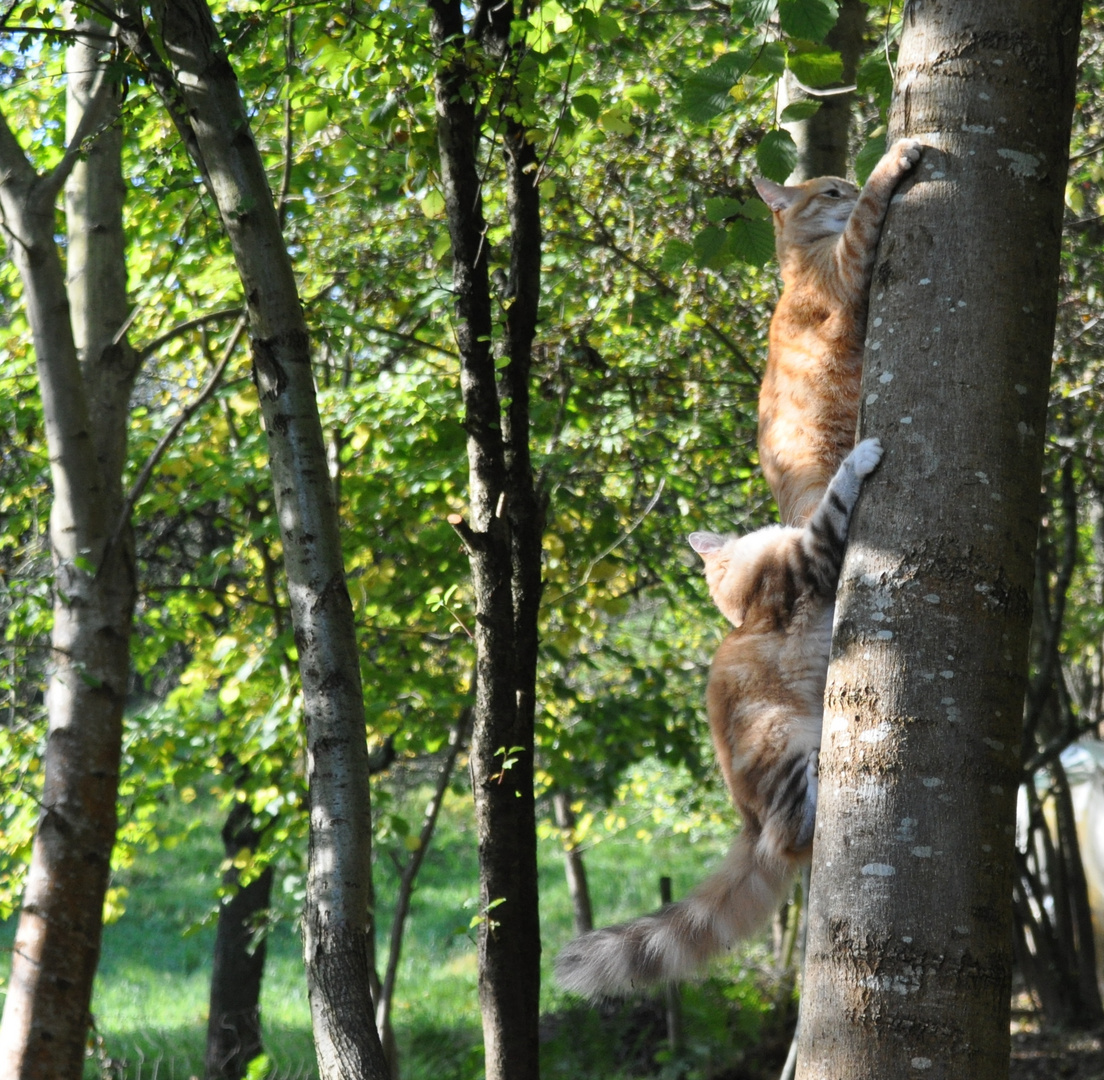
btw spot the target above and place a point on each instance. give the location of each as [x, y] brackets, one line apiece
[706, 543]
[776, 196]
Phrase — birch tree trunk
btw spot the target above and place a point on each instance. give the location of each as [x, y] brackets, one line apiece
[909, 955]
[86, 371]
[503, 536]
[202, 95]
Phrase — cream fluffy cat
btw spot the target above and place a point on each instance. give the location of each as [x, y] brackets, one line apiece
[777, 587]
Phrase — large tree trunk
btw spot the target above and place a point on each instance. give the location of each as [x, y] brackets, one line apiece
[908, 966]
[86, 371]
[503, 541]
[206, 104]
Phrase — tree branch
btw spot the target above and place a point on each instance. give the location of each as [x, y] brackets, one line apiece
[133, 33]
[87, 128]
[180, 329]
[167, 439]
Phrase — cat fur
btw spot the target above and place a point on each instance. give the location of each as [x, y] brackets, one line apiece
[826, 235]
[765, 695]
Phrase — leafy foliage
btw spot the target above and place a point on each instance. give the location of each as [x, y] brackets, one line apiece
[650, 124]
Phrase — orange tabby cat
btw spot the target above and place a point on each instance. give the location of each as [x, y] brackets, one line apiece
[827, 235]
[777, 587]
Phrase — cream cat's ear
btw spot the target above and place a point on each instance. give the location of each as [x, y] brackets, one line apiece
[777, 196]
[706, 543]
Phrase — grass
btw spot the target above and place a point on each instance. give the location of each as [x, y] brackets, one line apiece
[150, 1001]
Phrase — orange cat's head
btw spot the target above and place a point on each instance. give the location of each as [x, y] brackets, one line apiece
[735, 567]
[808, 211]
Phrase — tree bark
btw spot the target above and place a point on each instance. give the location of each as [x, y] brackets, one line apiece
[822, 140]
[502, 539]
[908, 967]
[574, 868]
[234, 1016]
[338, 913]
[86, 370]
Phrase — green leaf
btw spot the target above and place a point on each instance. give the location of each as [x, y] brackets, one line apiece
[751, 241]
[433, 205]
[711, 248]
[876, 77]
[615, 122]
[808, 20]
[758, 11]
[720, 208]
[770, 62]
[816, 67]
[644, 95]
[442, 245]
[799, 110]
[586, 105]
[777, 155]
[869, 156]
[675, 255]
[608, 27]
[707, 93]
[314, 120]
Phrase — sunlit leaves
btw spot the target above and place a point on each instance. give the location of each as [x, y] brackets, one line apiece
[776, 155]
[809, 20]
[706, 94]
[815, 66]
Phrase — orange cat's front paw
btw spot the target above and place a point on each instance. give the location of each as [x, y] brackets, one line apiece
[907, 153]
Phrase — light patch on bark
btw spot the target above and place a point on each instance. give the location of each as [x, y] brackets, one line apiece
[1021, 164]
[876, 869]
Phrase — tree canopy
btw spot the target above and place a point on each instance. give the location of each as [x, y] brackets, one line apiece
[647, 123]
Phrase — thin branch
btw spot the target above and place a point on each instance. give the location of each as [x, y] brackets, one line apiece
[612, 547]
[185, 327]
[89, 126]
[470, 539]
[167, 439]
[657, 279]
[412, 339]
[1094, 149]
[456, 741]
[289, 58]
[133, 32]
[832, 92]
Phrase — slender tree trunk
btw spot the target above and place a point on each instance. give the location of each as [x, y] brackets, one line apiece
[908, 966]
[502, 539]
[577, 886]
[234, 1017]
[385, 996]
[86, 370]
[822, 139]
[202, 95]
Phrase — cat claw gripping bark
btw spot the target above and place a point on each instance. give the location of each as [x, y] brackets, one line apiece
[777, 587]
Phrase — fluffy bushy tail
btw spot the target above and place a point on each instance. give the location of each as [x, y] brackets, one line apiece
[731, 904]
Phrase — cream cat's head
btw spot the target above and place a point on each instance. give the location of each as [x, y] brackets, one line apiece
[735, 565]
[805, 212]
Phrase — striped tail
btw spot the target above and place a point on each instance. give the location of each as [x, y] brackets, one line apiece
[671, 944]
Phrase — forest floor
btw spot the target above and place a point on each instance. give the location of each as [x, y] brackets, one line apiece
[1042, 1053]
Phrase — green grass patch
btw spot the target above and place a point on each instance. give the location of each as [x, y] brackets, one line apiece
[150, 1002]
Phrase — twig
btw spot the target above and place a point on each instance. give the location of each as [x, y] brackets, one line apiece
[166, 440]
[612, 547]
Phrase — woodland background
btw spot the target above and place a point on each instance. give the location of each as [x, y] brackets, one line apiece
[647, 123]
